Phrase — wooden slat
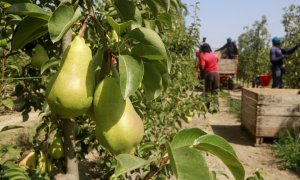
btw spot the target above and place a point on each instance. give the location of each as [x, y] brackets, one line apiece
[248, 92]
[248, 120]
[227, 66]
[278, 110]
[276, 99]
[249, 100]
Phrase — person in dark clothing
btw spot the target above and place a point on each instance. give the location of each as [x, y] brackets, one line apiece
[277, 56]
[230, 48]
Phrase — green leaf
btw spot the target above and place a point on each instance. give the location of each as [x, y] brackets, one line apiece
[29, 29]
[146, 147]
[188, 163]
[150, 24]
[175, 4]
[147, 51]
[149, 37]
[61, 21]
[8, 102]
[28, 9]
[127, 163]
[152, 81]
[165, 19]
[13, 19]
[99, 65]
[6, 128]
[186, 137]
[166, 4]
[131, 74]
[119, 28]
[49, 64]
[154, 6]
[16, 1]
[128, 11]
[219, 147]
[14, 67]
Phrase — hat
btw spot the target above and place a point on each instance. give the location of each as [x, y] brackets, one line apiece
[277, 39]
[229, 39]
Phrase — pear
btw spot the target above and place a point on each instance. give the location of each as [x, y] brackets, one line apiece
[28, 160]
[70, 92]
[56, 150]
[39, 57]
[42, 165]
[118, 127]
[190, 116]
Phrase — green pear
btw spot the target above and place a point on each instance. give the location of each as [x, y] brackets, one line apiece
[39, 57]
[118, 127]
[42, 166]
[56, 149]
[70, 92]
[28, 160]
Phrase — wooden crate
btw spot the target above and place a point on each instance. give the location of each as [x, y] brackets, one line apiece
[228, 66]
[265, 111]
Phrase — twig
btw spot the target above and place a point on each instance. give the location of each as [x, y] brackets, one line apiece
[84, 25]
[3, 63]
[98, 25]
[156, 169]
[8, 55]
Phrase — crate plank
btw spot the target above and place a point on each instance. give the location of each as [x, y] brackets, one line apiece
[278, 110]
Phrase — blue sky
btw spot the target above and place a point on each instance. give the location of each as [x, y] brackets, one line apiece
[227, 18]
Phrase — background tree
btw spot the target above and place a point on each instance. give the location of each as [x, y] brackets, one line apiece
[254, 51]
[143, 44]
[291, 23]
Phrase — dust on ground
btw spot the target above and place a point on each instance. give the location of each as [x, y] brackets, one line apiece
[228, 126]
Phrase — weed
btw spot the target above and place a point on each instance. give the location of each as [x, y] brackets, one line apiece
[234, 104]
[287, 148]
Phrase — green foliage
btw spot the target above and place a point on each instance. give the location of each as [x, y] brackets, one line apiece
[287, 148]
[291, 23]
[254, 51]
[144, 39]
[61, 20]
[190, 144]
[257, 175]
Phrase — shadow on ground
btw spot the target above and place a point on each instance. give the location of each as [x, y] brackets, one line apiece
[234, 134]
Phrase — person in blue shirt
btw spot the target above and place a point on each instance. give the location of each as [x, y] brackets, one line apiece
[277, 55]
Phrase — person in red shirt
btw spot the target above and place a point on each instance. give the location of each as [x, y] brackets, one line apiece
[209, 69]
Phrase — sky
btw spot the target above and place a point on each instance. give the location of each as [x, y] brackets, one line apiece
[221, 19]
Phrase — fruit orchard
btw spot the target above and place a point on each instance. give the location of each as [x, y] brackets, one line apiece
[113, 78]
[116, 76]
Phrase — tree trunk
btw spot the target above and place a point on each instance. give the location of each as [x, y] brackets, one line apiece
[69, 129]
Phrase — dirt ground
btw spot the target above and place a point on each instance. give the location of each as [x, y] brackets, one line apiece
[228, 126]
[222, 123]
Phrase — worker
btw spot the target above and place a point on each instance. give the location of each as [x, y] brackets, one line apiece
[209, 69]
[277, 56]
[230, 48]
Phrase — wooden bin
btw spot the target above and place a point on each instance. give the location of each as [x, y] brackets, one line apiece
[265, 112]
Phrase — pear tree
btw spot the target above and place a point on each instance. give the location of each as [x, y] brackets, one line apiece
[105, 64]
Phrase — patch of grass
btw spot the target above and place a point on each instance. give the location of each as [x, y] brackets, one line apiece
[287, 148]
[234, 104]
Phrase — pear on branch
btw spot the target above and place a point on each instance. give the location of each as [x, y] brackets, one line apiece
[39, 57]
[118, 127]
[70, 92]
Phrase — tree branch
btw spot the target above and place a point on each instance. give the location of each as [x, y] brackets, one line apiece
[98, 25]
[158, 168]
